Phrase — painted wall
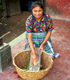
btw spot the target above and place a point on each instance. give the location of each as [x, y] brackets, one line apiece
[60, 7]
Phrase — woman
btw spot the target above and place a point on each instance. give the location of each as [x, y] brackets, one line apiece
[39, 28]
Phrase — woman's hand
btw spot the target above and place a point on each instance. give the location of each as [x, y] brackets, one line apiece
[41, 48]
[34, 59]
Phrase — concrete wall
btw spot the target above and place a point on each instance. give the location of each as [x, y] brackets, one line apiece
[58, 7]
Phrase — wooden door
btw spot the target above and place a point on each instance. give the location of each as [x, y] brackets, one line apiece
[14, 7]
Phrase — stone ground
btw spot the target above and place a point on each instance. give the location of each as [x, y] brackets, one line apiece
[61, 43]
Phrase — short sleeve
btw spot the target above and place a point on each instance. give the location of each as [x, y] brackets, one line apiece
[49, 23]
[28, 25]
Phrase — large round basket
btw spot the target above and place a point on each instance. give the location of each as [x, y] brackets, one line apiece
[21, 60]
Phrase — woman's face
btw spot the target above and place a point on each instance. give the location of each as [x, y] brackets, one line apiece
[37, 12]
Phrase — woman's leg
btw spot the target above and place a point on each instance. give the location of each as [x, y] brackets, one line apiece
[49, 48]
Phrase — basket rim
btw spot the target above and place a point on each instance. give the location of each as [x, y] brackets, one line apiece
[28, 70]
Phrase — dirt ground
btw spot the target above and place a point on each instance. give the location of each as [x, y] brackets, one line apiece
[14, 24]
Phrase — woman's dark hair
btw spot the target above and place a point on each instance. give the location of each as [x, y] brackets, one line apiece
[37, 3]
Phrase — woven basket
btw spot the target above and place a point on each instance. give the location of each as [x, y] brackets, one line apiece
[21, 60]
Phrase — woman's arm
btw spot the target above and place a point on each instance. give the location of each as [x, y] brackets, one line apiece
[34, 56]
[45, 40]
[29, 35]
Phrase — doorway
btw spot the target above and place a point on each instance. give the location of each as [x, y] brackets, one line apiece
[24, 5]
